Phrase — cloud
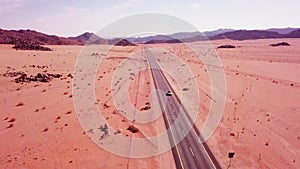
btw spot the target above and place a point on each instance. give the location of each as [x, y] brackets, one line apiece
[8, 6]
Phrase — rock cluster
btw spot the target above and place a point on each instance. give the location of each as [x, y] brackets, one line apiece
[40, 77]
[13, 74]
[29, 45]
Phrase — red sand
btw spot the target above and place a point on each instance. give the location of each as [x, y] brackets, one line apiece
[260, 123]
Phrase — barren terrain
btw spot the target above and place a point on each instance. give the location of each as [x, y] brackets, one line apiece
[39, 126]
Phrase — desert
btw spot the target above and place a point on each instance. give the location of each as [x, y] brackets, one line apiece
[136, 84]
[260, 123]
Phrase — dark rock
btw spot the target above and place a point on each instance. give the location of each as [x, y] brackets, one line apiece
[54, 75]
[13, 74]
[133, 129]
[281, 44]
[226, 46]
[22, 78]
[40, 77]
[145, 108]
[70, 75]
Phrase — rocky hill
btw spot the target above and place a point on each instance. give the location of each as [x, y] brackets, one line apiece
[248, 34]
[13, 36]
[38, 38]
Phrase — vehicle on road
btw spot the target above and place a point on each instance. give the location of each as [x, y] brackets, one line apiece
[169, 93]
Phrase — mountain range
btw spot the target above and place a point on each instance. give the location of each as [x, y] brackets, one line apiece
[34, 37]
[11, 36]
[220, 34]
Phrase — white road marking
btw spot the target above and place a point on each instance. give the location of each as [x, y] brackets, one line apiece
[183, 132]
[191, 150]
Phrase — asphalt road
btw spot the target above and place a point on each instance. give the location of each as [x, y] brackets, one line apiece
[189, 153]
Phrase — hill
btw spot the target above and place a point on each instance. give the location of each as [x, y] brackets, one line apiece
[11, 36]
[160, 38]
[282, 30]
[38, 38]
[248, 34]
[293, 34]
[88, 37]
[120, 42]
[220, 34]
[217, 32]
[163, 41]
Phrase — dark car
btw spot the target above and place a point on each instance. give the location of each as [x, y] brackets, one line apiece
[169, 93]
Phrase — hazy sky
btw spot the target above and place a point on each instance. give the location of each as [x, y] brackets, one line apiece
[73, 17]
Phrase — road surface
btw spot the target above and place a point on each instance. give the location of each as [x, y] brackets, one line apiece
[190, 153]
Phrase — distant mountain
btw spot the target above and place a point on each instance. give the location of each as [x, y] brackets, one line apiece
[282, 30]
[217, 32]
[185, 35]
[171, 38]
[11, 36]
[87, 36]
[120, 42]
[163, 41]
[248, 34]
[38, 38]
[180, 36]
[294, 34]
[150, 38]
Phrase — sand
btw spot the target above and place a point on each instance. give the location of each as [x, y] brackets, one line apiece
[260, 123]
[261, 114]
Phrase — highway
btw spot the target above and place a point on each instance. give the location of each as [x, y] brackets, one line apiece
[189, 153]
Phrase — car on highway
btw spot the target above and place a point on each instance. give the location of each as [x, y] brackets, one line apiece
[169, 93]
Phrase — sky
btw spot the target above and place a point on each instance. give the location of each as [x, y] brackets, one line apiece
[74, 17]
